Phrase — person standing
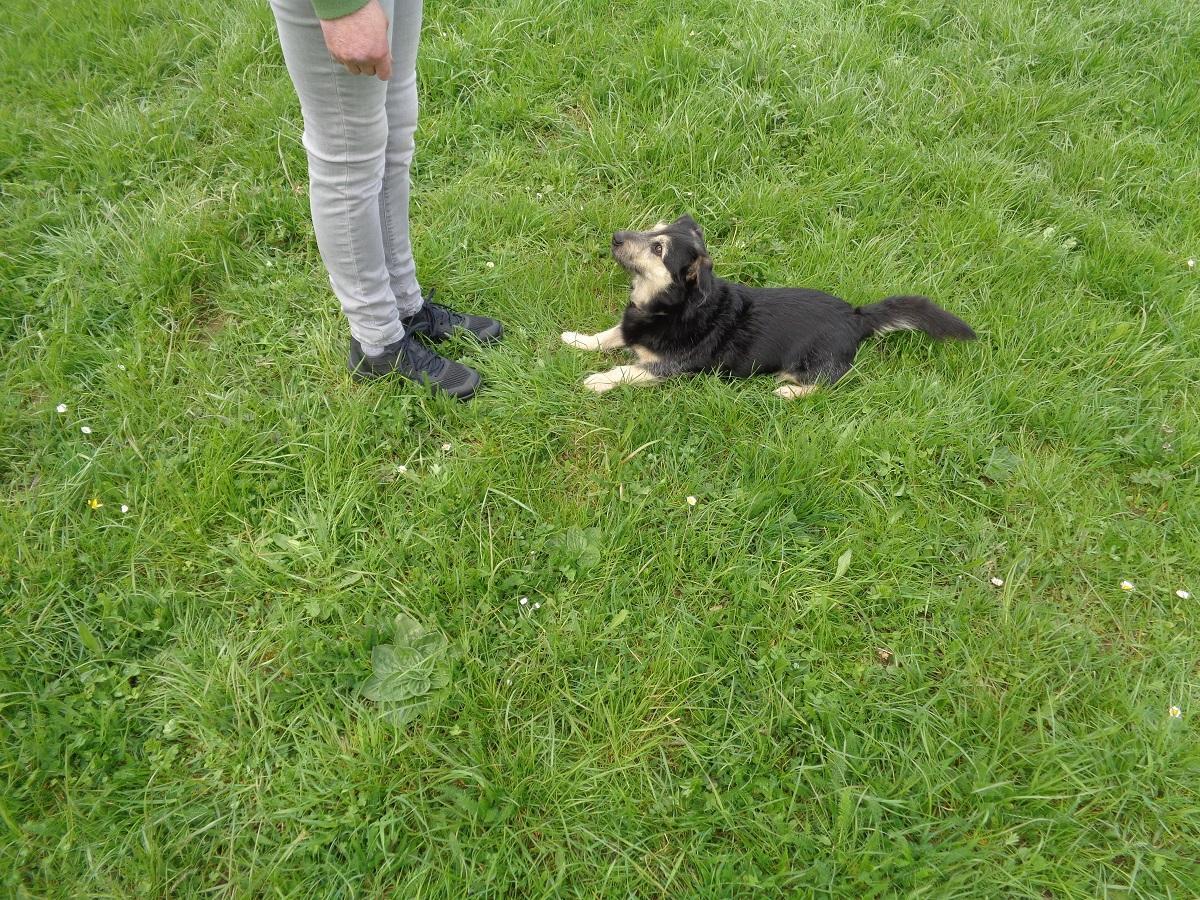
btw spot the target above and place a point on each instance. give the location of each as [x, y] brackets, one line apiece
[354, 66]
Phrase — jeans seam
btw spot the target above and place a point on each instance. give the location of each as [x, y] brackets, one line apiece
[337, 93]
[386, 213]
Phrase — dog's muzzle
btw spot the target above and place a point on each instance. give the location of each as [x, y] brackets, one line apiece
[620, 248]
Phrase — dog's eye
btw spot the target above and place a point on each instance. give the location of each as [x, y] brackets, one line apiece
[656, 248]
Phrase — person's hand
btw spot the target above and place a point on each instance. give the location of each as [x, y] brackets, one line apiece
[359, 41]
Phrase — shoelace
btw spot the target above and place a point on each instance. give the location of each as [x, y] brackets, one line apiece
[422, 359]
[440, 318]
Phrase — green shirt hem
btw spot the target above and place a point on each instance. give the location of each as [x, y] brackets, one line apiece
[335, 9]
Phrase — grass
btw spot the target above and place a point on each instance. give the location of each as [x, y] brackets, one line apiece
[700, 706]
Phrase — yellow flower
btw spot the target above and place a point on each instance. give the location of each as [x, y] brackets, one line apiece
[95, 503]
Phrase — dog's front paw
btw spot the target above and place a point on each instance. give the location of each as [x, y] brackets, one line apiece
[601, 382]
[580, 341]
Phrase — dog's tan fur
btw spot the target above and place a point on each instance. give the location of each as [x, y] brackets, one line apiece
[605, 340]
[606, 381]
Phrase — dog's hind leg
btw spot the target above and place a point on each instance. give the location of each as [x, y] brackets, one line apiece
[802, 382]
[605, 340]
[792, 391]
[790, 387]
[606, 381]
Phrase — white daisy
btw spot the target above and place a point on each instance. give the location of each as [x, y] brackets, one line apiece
[85, 429]
[1175, 712]
[1127, 585]
[61, 408]
[1183, 595]
[691, 501]
[445, 448]
[998, 582]
[490, 264]
[124, 508]
[524, 601]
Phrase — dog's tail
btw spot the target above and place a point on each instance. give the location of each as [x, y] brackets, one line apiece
[914, 314]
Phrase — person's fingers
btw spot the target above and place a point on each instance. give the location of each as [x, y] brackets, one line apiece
[383, 70]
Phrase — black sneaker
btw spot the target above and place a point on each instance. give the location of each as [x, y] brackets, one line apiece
[438, 323]
[410, 360]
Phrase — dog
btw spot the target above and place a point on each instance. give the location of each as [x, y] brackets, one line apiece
[682, 319]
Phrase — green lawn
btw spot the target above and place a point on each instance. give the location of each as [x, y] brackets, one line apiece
[808, 681]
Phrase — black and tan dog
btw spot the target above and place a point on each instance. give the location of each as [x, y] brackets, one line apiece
[682, 319]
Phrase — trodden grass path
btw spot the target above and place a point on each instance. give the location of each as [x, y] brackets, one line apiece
[887, 651]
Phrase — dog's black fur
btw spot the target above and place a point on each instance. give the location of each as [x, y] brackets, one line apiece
[701, 323]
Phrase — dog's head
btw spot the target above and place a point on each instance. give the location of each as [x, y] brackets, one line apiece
[669, 263]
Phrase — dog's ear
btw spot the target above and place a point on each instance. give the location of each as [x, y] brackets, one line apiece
[690, 224]
[698, 276]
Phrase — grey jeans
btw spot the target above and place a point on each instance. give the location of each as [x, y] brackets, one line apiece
[358, 134]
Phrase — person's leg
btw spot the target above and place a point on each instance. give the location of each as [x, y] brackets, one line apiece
[402, 123]
[346, 137]
[419, 317]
